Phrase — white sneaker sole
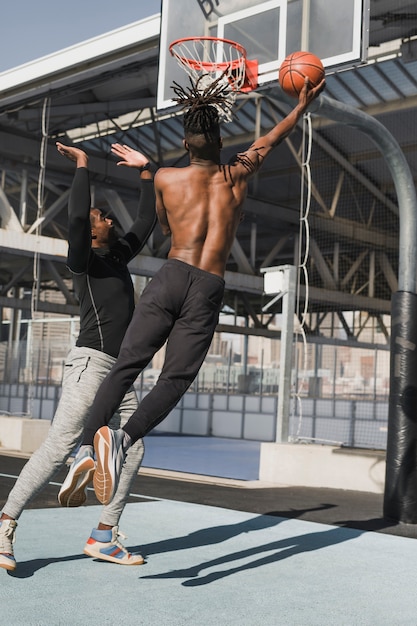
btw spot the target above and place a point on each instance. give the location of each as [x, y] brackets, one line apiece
[104, 476]
[72, 492]
[7, 563]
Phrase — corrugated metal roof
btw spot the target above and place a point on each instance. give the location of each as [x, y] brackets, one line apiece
[111, 98]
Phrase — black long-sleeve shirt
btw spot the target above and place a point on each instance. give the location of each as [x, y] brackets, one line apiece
[101, 278]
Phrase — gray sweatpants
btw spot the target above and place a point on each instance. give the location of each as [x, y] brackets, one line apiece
[85, 369]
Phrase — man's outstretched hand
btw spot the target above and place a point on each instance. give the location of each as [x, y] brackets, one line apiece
[73, 154]
[129, 157]
[308, 93]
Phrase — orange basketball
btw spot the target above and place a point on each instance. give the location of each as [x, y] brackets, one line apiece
[295, 68]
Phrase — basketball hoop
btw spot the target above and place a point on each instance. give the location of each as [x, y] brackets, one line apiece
[206, 59]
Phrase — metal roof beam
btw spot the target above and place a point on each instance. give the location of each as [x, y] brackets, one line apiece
[337, 226]
[354, 172]
[77, 111]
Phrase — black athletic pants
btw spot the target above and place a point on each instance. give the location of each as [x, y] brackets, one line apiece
[182, 304]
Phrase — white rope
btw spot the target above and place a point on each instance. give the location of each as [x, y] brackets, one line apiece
[40, 201]
[304, 237]
[37, 232]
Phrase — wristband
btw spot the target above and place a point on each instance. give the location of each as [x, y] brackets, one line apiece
[144, 167]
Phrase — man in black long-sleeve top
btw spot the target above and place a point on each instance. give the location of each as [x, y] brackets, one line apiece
[98, 260]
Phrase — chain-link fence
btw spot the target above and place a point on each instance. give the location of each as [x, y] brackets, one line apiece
[339, 392]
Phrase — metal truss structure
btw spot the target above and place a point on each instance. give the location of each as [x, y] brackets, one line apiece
[95, 95]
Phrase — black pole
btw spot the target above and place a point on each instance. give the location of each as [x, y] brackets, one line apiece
[400, 497]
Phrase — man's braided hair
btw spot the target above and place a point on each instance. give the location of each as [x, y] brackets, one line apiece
[202, 105]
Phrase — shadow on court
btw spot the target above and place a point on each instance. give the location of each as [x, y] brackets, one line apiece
[213, 536]
[215, 554]
[282, 549]
[26, 569]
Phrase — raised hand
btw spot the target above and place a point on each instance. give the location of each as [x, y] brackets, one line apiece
[73, 154]
[308, 94]
[129, 157]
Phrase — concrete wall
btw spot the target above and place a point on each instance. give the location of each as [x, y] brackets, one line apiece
[22, 434]
[307, 465]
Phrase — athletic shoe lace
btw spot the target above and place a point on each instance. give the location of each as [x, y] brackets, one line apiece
[117, 542]
[7, 538]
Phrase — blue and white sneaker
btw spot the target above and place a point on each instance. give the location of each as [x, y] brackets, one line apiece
[110, 455]
[80, 474]
[105, 545]
[7, 538]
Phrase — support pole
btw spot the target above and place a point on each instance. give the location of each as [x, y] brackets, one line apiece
[282, 280]
[400, 495]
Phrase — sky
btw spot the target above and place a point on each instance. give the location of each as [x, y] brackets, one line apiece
[30, 29]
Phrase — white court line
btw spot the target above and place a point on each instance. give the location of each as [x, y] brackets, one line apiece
[131, 495]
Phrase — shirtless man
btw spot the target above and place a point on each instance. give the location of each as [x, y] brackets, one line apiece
[200, 207]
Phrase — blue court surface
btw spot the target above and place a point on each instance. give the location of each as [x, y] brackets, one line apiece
[207, 565]
[210, 565]
[208, 456]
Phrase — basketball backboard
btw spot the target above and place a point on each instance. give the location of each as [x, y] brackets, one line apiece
[268, 29]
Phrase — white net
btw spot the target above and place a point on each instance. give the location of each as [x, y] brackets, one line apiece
[206, 59]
